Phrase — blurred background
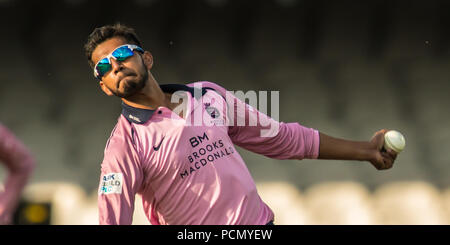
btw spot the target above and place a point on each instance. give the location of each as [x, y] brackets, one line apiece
[346, 68]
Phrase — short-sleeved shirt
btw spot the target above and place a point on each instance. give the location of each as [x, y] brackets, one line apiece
[189, 172]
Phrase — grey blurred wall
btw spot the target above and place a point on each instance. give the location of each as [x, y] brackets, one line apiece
[346, 68]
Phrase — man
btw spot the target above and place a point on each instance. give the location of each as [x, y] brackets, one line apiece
[190, 173]
[20, 164]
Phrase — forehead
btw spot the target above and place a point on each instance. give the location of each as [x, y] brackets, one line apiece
[106, 47]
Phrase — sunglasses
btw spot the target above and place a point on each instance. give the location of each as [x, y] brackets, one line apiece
[120, 54]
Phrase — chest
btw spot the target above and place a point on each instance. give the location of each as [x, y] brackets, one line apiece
[170, 144]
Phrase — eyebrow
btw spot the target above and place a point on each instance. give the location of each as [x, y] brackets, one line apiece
[104, 55]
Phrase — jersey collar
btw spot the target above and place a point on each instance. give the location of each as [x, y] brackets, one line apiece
[141, 116]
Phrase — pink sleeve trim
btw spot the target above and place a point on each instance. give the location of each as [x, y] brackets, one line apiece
[315, 145]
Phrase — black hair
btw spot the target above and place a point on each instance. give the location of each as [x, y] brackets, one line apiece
[104, 33]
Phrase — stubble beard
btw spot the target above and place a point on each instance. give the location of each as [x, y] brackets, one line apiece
[133, 87]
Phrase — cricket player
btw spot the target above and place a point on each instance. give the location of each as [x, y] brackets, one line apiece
[20, 165]
[189, 173]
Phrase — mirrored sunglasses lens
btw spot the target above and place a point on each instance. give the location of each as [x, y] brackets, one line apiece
[122, 53]
[103, 68]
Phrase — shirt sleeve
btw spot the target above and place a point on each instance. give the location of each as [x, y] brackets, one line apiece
[20, 164]
[120, 180]
[259, 133]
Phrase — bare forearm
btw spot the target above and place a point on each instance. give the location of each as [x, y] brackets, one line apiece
[340, 149]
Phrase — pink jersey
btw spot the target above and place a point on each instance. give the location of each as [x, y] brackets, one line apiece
[20, 164]
[188, 173]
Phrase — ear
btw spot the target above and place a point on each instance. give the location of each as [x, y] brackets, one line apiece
[105, 89]
[148, 59]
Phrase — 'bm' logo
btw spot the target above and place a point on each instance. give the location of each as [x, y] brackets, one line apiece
[195, 141]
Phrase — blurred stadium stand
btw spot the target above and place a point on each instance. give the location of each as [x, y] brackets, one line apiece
[327, 203]
[409, 203]
[343, 203]
[286, 202]
[347, 68]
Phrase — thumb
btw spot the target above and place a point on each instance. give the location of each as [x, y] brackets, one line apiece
[378, 138]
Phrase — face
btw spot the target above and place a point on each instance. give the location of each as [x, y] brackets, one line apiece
[127, 77]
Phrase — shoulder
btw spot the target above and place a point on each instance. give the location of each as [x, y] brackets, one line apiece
[206, 85]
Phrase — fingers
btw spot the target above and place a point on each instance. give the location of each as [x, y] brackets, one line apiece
[391, 153]
[388, 156]
[380, 132]
[387, 160]
[383, 161]
[378, 138]
[378, 162]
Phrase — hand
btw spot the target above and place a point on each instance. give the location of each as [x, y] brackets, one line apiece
[381, 160]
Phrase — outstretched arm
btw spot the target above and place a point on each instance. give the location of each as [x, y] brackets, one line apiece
[294, 141]
[340, 149]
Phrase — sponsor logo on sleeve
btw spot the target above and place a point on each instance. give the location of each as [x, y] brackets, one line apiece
[111, 183]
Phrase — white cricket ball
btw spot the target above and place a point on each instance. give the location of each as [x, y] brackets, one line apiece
[394, 140]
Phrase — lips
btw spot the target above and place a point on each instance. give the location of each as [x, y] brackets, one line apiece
[121, 77]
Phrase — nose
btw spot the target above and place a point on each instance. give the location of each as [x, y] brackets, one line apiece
[116, 66]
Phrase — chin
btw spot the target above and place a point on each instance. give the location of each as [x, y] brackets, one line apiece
[131, 88]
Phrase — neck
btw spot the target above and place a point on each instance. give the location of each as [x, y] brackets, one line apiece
[150, 97]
